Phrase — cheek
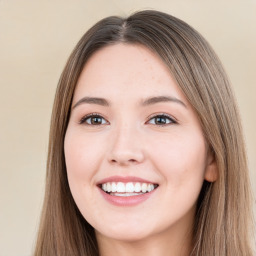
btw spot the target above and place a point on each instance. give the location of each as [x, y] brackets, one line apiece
[181, 159]
[181, 162]
[81, 163]
[82, 159]
[82, 155]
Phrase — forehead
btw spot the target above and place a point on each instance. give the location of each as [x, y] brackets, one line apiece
[129, 69]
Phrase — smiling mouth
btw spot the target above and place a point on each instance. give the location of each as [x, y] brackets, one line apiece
[122, 189]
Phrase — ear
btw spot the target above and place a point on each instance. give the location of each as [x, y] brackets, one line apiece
[211, 170]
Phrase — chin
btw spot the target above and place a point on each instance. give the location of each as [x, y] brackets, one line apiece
[126, 235]
[128, 232]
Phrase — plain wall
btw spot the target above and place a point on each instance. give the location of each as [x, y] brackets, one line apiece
[36, 37]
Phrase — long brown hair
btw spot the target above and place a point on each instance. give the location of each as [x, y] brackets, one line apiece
[223, 218]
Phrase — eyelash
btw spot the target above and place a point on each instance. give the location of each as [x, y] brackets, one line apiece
[85, 118]
[163, 115]
[171, 120]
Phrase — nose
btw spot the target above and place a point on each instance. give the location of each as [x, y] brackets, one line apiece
[126, 147]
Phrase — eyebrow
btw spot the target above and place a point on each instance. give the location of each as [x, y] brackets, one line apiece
[159, 99]
[92, 100]
[146, 102]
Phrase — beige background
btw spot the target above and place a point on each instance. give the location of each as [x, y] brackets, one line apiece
[36, 37]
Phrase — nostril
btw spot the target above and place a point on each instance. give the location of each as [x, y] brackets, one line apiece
[123, 161]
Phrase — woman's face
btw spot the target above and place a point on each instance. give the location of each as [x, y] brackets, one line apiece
[133, 134]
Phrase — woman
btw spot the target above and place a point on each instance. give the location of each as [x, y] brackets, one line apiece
[146, 154]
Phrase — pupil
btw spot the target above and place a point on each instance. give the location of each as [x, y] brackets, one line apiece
[96, 120]
[161, 120]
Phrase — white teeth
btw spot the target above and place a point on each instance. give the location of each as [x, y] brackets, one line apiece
[120, 187]
[144, 187]
[126, 194]
[128, 188]
[109, 188]
[114, 187]
[137, 187]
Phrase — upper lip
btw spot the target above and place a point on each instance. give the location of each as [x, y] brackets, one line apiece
[124, 179]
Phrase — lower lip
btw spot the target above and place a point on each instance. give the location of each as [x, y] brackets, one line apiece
[126, 200]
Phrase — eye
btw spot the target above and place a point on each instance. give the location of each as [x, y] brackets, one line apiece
[93, 119]
[161, 120]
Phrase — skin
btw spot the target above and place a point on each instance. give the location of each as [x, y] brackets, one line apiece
[128, 141]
